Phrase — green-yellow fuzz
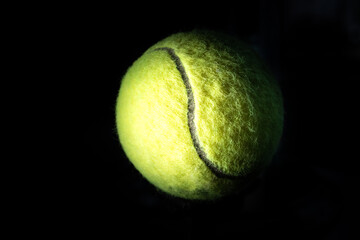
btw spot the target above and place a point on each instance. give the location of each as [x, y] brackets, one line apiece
[238, 115]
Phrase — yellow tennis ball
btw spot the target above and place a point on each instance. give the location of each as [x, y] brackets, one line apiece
[198, 114]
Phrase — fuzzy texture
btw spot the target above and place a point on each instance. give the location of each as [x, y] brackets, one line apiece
[238, 115]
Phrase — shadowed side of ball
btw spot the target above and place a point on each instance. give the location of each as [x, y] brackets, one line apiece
[199, 114]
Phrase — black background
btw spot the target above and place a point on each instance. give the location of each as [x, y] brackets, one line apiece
[313, 49]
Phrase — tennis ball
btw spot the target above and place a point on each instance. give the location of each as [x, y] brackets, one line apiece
[199, 115]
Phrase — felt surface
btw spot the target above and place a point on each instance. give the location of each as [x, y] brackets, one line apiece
[238, 114]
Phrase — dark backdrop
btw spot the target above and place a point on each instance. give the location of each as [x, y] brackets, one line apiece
[313, 49]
